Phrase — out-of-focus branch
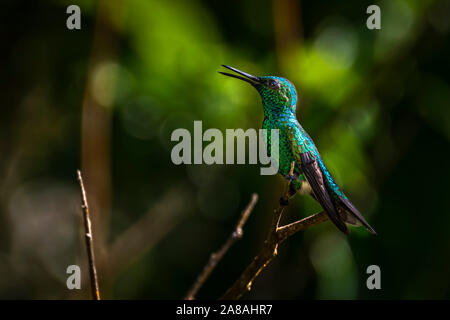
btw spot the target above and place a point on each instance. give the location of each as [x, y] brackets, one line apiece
[147, 231]
[96, 118]
[288, 35]
[89, 240]
[217, 256]
[275, 236]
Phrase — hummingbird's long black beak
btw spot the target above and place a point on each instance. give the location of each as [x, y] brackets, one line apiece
[246, 77]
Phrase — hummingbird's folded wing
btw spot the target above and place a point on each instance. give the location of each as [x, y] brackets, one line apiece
[314, 176]
[306, 160]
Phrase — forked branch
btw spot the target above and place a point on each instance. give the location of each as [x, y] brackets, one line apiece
[275, 236]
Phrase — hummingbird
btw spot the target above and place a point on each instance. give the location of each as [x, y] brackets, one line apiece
[310, 176]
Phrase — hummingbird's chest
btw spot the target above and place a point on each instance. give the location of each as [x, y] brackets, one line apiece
[285, 154]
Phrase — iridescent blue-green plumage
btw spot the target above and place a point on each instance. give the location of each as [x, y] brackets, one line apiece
[279, 99]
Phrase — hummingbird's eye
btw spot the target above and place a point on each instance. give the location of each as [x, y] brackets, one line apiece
[273, 84]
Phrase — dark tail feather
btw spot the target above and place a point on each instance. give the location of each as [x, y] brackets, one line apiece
[332, 214]
[350, 208]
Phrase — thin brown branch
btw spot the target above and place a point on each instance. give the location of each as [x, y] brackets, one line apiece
[275, 237]
[218, 255]
[89, 240]
[288, 230]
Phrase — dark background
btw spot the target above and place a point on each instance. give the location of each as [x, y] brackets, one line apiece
[107, 97]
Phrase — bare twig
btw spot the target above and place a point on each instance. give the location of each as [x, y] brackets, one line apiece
[275, 237]
[217, 256]
[89, 240]
[288, 230]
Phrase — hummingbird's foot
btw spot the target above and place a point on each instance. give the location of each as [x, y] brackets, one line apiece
[289, 178]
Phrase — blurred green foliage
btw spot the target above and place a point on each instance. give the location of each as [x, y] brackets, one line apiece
[374, 101]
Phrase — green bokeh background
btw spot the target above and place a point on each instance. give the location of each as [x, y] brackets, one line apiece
[107, 97]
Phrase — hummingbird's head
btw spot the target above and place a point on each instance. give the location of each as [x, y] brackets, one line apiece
[276, 93]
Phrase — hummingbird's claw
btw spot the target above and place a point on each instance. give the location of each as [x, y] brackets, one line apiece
[289, 177]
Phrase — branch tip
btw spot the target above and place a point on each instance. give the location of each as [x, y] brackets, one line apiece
[89, 239]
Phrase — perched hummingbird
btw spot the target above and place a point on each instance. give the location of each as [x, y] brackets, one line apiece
[279, 99]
